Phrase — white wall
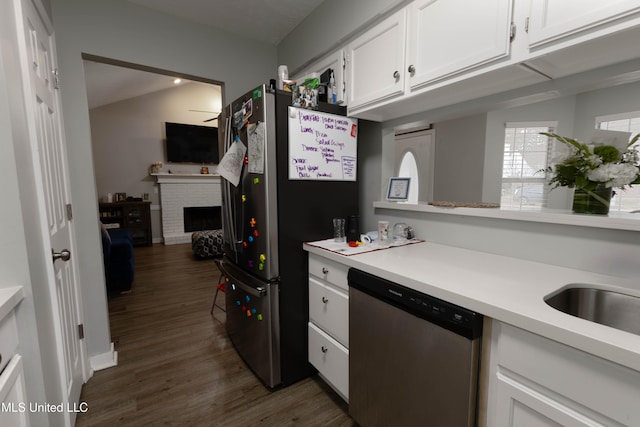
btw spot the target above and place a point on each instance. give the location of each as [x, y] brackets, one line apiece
[123, 31]
[458, 173]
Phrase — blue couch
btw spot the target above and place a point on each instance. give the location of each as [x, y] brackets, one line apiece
[119, 261]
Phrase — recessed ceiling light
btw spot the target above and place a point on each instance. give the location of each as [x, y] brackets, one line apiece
[177, 81]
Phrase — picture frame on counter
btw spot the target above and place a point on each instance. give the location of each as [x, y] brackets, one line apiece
[398, 190]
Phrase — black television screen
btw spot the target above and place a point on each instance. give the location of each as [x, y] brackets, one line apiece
[191, 143]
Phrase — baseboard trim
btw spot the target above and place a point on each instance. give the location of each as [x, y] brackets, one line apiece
[104, 360]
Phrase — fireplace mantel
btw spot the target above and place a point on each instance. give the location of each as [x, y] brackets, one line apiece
[180, 178]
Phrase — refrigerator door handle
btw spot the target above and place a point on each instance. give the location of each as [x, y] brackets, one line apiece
[258, 291]
[230, 217]
[254, 289]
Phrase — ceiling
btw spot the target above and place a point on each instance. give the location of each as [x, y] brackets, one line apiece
[264, 20]
[269, 20]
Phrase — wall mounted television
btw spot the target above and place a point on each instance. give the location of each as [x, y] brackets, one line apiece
[191, 143]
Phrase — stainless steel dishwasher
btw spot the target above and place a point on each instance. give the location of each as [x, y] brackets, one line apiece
[413, 358]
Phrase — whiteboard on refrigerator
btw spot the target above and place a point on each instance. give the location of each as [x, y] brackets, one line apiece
[322, 146]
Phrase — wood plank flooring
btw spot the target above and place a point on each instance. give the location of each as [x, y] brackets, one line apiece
[176, 365]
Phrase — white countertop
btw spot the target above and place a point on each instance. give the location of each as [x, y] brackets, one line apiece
[506, 289]
[9, 298]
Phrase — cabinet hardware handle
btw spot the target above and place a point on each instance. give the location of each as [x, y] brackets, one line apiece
[396, 75]
[325, 300]
[412, 68]
[324, 349]
[325, 270]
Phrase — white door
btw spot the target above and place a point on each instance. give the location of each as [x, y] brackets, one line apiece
[453, 36]
[38, 61]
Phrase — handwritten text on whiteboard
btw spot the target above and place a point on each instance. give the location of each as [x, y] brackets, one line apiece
[322, 146]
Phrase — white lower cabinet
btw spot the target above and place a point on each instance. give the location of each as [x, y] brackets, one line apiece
[539, 382]
[13, 400]
[329, 322]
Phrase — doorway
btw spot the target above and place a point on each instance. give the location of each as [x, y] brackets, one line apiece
[129, 105]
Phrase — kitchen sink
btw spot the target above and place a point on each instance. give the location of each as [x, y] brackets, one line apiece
[607, 307]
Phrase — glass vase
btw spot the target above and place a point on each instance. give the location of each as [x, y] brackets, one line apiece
[592, 201]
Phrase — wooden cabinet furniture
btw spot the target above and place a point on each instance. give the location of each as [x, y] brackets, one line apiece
[539, 382]
[329, 322]
[133, 216]
[13, 397]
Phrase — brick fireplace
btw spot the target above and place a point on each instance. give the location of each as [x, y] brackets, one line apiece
[185, 191]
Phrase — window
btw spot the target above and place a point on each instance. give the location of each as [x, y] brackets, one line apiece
[629, 199]
[526, 154]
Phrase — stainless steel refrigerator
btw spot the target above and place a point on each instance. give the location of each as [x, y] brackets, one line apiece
[280, 201]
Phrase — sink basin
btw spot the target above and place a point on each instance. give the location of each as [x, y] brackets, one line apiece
[604, 306]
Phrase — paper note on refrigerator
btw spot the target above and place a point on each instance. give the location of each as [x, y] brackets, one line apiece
[256, 148]
[230, 166]
[322, 146]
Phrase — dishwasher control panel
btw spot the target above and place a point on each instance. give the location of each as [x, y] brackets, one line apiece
[453, 317]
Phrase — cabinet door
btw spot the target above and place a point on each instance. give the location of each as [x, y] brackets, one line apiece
[555, 20]
[375, 62]
[15, 405]
[452, 36]
[336, 62]
[535, 381]
[521, 406]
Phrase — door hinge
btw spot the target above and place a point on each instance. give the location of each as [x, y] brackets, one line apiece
[526, 25]
[69, 212]
[344, 61]
[512, 32]
[81, 331]
[56, 78]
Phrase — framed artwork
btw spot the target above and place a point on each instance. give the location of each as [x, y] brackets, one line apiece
[398, 189]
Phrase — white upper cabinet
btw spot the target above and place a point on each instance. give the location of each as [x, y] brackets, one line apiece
[336, 62]
[554, 21]
[447, 37]
[376, 61]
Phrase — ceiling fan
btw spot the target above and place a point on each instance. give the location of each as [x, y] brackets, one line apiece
[215, 114]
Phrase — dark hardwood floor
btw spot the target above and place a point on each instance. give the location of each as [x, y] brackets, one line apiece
[176, 365]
